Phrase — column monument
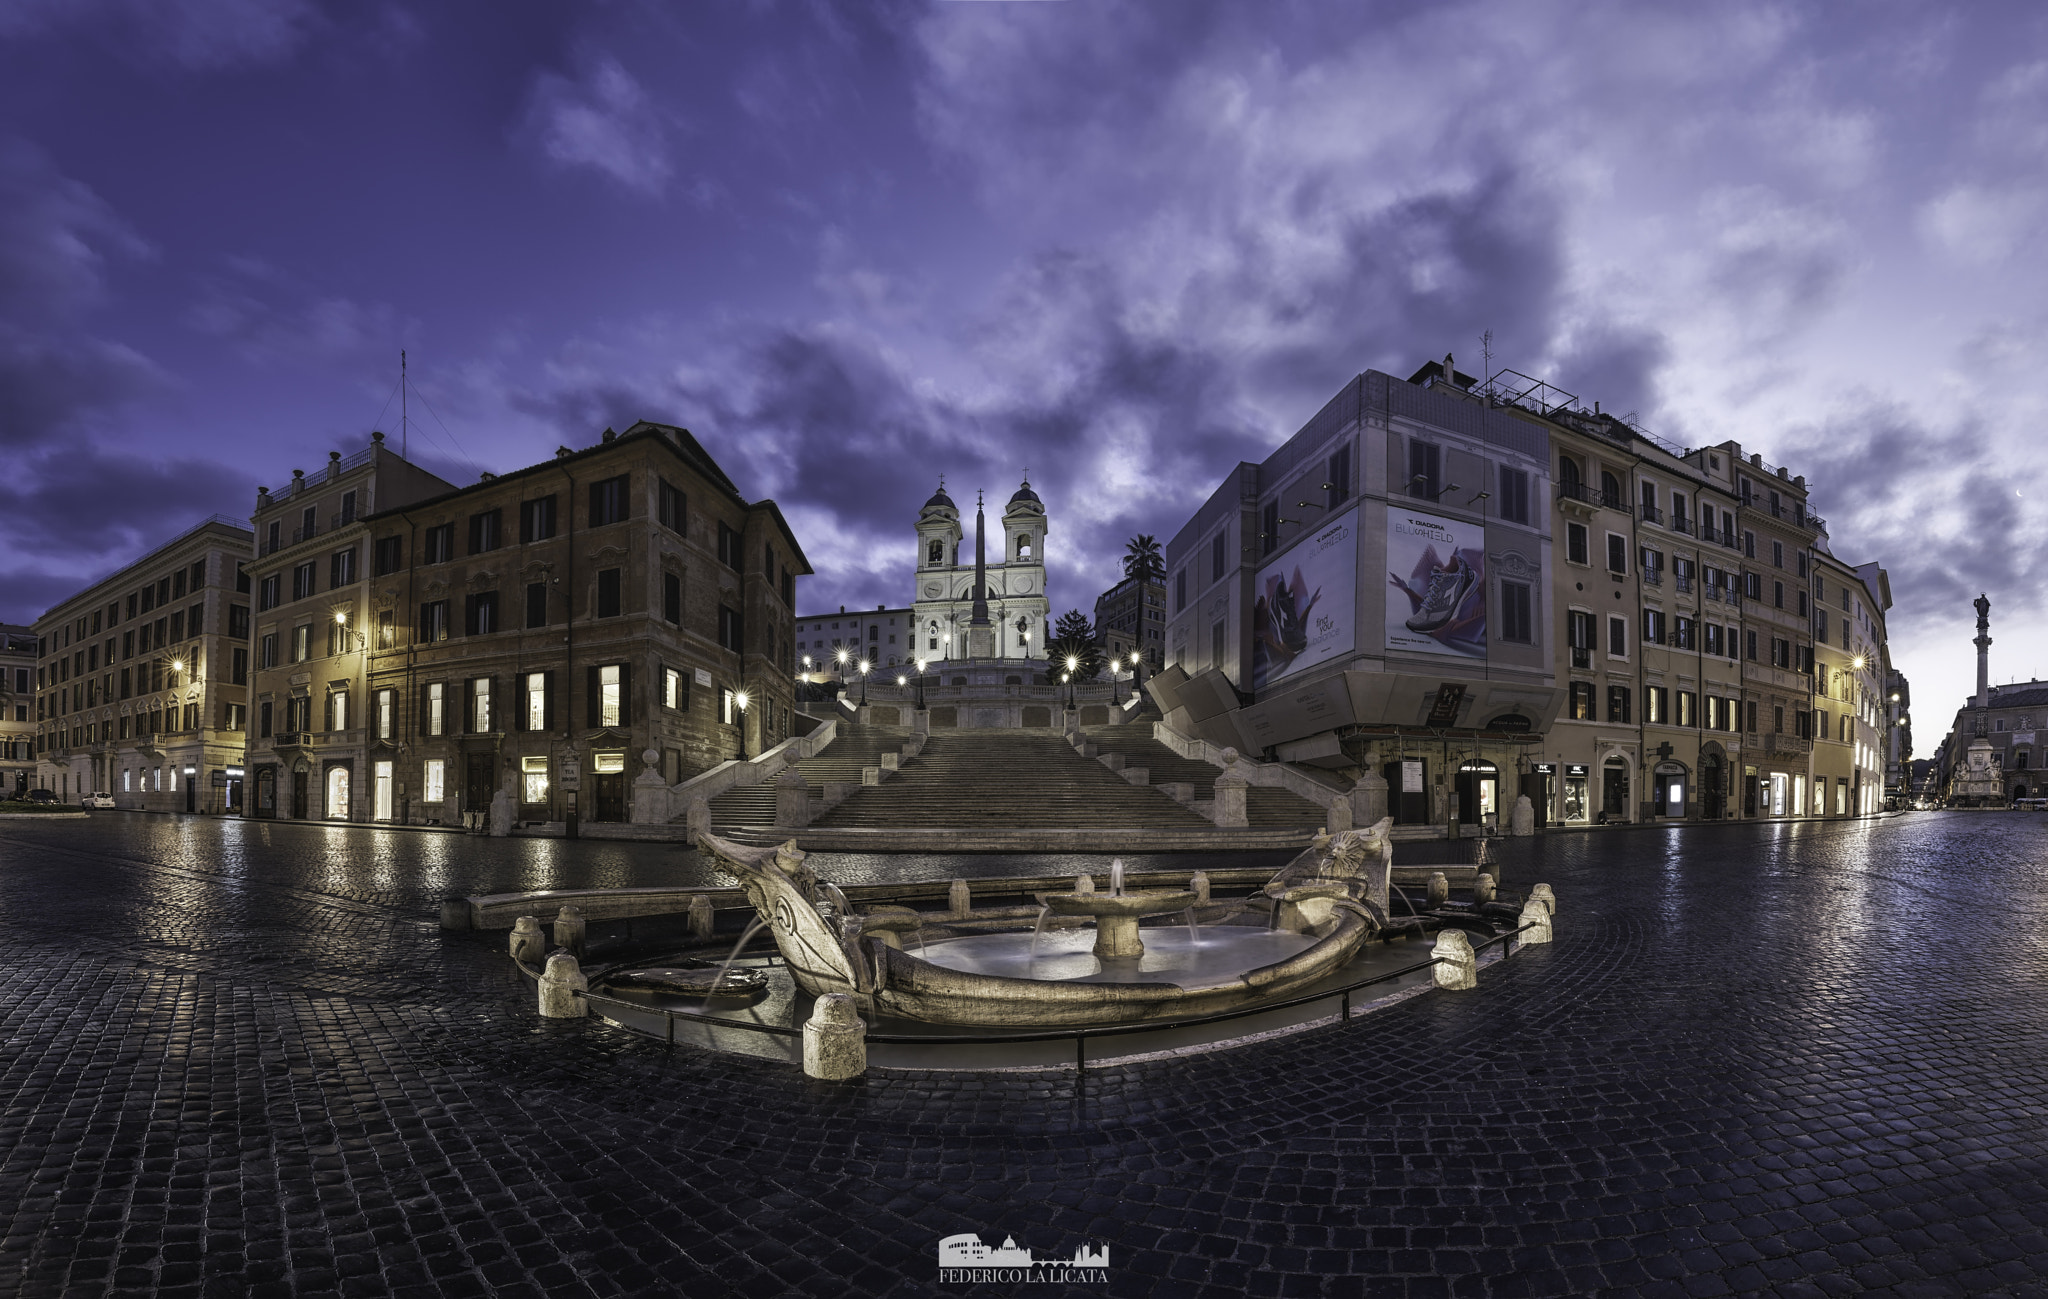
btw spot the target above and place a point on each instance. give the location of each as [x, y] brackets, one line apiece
[981, 633]
[1983, 603]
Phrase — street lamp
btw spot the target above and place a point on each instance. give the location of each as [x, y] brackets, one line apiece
[840, 654]
[739, 702]
[807, 668]
[1073, 666]
[920, 685]
[1116, 664]
[863, 669]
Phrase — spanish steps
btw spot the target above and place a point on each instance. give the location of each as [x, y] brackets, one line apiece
[1007, 778]
[1264, 806]
[855, 748]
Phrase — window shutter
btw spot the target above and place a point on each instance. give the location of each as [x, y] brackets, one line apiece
[625, 696]
[590, 697]
[548, 704]
[519, 704]
[468, 707]
[421, 705]
[497, 707]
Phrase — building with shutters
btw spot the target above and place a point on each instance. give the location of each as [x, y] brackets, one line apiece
[142, 684]
[17, 709]
[557, 633]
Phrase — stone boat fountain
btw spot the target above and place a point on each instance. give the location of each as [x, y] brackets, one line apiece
[1002, 969]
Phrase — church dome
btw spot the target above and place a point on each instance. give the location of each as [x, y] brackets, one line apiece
[1025, 496]
[941, 501]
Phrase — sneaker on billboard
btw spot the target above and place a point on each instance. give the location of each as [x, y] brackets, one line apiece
[1447, 587]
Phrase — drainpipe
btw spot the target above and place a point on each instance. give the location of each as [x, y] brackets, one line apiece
[572, 820]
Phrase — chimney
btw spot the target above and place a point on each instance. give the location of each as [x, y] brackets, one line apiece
[562, 453]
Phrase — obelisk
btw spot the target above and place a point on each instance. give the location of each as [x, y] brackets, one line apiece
[981, 634]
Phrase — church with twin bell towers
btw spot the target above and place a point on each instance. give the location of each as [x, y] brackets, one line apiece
[980, 607]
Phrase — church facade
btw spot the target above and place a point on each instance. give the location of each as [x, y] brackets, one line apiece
[1010, 619]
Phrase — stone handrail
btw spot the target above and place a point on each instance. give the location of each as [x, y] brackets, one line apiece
[737, 774]
[1271, 775]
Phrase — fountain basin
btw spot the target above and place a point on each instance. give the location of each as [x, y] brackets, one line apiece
[1117, 915]
[705, 981]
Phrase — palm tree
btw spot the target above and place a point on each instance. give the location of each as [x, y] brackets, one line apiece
[1142, 561]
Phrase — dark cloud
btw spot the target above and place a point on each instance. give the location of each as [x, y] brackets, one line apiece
[1615, 365]
[198, 35]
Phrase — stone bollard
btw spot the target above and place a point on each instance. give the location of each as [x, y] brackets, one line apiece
[1482, 889]
[792, 799]
[702, 918]
[1230, 799]
[528, 943]
[1084, 884]
[455, 913]
[1541, 893]
[1439, 888]
[1458, 965]
[559, 986]
[569, 931]
[959, 900]
[1339, 818]
[1199, 886]
[1369, 799]
[697, 821]
[892, 762]
[1536, 915]
[835, 1039]
[1522, 821]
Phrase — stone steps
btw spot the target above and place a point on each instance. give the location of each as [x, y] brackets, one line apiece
[1007, 779]
[854, 748]
[1264, 807]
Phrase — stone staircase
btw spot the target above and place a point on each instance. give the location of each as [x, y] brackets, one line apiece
[854, 748]
[1264, 807]
[980, 779]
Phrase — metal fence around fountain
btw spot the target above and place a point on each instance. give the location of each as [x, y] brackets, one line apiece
[1080, 1035]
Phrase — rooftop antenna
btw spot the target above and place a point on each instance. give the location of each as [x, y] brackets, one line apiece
[403, 424]
[1486, 357]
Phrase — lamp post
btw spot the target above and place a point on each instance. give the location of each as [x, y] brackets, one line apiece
[920, 685]
[807, 669]
[840, 654]
[1073, 666]
[739, 702]
[863, 669]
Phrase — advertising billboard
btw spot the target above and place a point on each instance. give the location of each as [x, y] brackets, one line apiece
[1306, 603]
[1436, 584]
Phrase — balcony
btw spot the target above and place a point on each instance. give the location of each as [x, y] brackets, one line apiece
[1679, 523]
[1653, 576]
[1777, 743]
[1651, 514]
[1582, 658]
[1711, 592]
[1578, 492]
[1682, 584]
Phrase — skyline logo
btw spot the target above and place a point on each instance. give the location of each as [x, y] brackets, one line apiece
[965, 1260]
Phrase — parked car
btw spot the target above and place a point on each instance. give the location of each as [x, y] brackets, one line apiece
[97, 800]
[41, 796]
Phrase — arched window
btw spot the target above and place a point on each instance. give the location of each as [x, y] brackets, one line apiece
[1610, 487]
[936, 553]
[1567, 471]
[1023, 545]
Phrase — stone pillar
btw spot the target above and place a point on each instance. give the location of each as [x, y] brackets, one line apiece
[959, 900]
[570, 930]
[1339, 818]
[835, 1039]
[1369, 799]
[698, 820]
[792, 799]
[1537, 916]
[528, 943]
[703, 919]
[1542, 893]
[1230, 798]
[501, 813]
[559, 986]
[1482, 889]
[650, 791]
[1522, 821]
[1457, 967]
[1439, 888]
[892, 762]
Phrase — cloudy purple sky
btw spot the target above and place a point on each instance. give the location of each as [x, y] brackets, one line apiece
[1120, 245]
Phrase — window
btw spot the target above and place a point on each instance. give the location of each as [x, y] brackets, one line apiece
[1515, 622]
[1653, 626]
[1216, 645]
[337, 710]
[1338, 489]
[1749, 646]
[533, 779]
[341, 568]
[729, 547]
[384, 712]
[1579, 634]
[1617, 554]
[348, 507]
[267, 598]
[1180, 590]
[440, 543]
[302, 580]
[608, 501]
[729, 629]
[262, 720]
[675, 690]
[1425, 469]
[536, 604]
[608, 703]
[479, 703]
[1618, 703]
[1781, 652]
[272, 544]
[266, 651]
[1750, 709]
[1753, 586]
[238, 623]
[1582, 702]
[480, 613]
[537, 519]
[486, 531]
[1688, 708]
[1576, 544]
[1778, 720]
[177, 590]
[608, 593]
[434, 709]
[537, 713]
[387, 629]
[337, 638]
[1777, 595]
[433, 787]
[1656, 705]
[1682, 633]
[433, 621]
[1218, 554]
[1269, 528]
[674, 513]
[302, 642]
[1514, 495]
[672, 599]
[1749, 544]
[1617, 637]
[177, 634]
[1802, 604]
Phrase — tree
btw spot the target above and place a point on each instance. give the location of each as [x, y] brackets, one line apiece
[1142, 561]
[1072, 638]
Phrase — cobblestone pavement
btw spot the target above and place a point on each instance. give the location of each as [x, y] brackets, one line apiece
[1777, 1059]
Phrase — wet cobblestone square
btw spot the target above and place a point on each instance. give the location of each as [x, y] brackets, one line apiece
[1763, 1059]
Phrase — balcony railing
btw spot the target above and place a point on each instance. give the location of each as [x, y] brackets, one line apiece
[1651, 514]
[1679, 523]
[1578, 492]
[1681, 583]
[1776, 742]
[1582, 658]
[1711, 592]
[1653, 576]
